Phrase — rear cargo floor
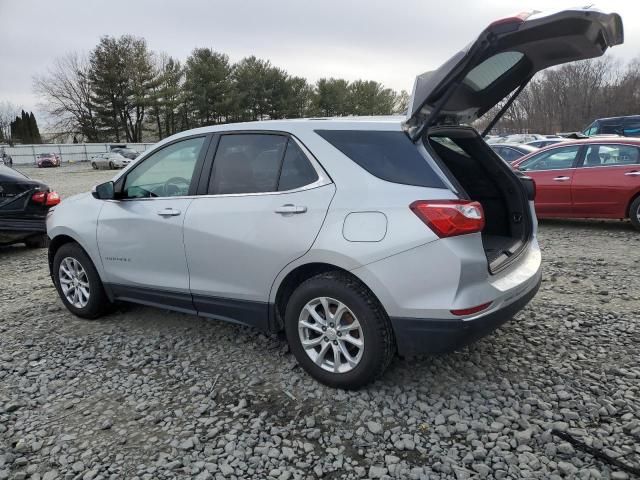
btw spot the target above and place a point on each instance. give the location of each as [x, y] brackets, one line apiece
[495, 245]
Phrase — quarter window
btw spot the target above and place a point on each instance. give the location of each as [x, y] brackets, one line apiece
[388, 155]
[165, 173]
[632, 128]
[555, 159]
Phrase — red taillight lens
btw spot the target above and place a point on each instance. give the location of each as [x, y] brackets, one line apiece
[448, 218]
[48, 199]
[39, 197]
[469, 311]
[52, 199]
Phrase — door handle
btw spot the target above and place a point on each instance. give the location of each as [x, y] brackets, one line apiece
[561, 179]
[634, 173]
[290, 209]
[168, 212]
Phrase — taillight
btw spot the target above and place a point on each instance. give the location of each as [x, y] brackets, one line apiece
[52, 199]
[48, 199]
[448, 218]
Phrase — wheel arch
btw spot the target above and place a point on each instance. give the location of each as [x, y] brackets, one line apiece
[634, 197]
[295, 277]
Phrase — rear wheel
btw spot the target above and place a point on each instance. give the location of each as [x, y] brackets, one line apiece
[94, 166]
[78, 283]
[338, 331]
[634, 213]
[111, 165]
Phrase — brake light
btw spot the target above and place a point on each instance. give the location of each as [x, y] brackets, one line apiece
[469, 311]
[449, 218]
[52, 199]
[48, 199]
[509, 24]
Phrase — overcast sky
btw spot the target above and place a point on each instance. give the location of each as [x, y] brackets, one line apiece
[388, 41]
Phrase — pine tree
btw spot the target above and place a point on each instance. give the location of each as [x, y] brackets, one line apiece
[33, 127]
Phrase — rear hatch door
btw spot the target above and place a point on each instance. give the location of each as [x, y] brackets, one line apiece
[504, 57]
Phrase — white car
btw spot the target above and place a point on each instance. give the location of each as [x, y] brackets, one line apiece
[109, 160]
[359, 238]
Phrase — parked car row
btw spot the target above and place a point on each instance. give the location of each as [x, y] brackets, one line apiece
[592, 178]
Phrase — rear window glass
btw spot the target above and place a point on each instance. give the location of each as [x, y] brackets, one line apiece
[390, 156]
[491, 69]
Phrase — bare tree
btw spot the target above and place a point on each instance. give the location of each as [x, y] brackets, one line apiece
[570, 97]
[8, 113]
[66, 94]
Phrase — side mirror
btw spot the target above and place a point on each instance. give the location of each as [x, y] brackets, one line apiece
[104, 191]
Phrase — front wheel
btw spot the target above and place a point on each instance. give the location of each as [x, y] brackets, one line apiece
[338, 331]
[78, 283]
[112, 166]
[634, 213]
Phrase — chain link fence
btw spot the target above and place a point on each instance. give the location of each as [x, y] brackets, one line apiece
[68, 152]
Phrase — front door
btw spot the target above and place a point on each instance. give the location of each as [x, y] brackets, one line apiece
[265, 204]
[140, 234]
[553, 172]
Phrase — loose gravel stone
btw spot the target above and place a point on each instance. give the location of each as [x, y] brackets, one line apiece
[149, 394]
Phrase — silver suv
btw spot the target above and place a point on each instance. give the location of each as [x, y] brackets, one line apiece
[359, 238]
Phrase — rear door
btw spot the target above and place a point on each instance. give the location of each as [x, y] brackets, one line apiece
[262, 208]
[502, 59]
[606, 180]
[553, 171]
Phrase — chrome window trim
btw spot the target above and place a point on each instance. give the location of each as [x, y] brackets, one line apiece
[323, 179]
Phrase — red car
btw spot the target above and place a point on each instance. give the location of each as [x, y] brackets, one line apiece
[48, 160]
[594, 178]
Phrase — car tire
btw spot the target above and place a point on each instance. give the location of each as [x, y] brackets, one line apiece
[363, 319]
[97, 303]
[94, 166]
[37, 241]
[634, 213]
[112, 166]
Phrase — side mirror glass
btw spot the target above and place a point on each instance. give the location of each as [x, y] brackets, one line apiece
[104, 191]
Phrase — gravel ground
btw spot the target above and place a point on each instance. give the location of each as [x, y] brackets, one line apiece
[151, 394]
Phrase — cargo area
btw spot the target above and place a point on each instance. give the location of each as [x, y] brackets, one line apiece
[477, 173]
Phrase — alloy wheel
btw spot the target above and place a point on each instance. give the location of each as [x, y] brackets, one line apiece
[74, 282]
[331, 335]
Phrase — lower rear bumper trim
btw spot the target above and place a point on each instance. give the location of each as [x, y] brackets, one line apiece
[415, 336]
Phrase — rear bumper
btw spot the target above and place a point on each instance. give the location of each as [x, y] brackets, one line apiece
[14, 230]
[422, 335]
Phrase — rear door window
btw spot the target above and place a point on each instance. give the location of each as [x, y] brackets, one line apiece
[556, 159]
[296, 169]
[611, 155]
[259, 163]
[390, 156]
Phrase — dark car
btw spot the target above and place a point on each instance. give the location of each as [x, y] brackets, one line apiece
[125, 152]
[48, 160]
[23, 208]
[510, 152]
[624, 126]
